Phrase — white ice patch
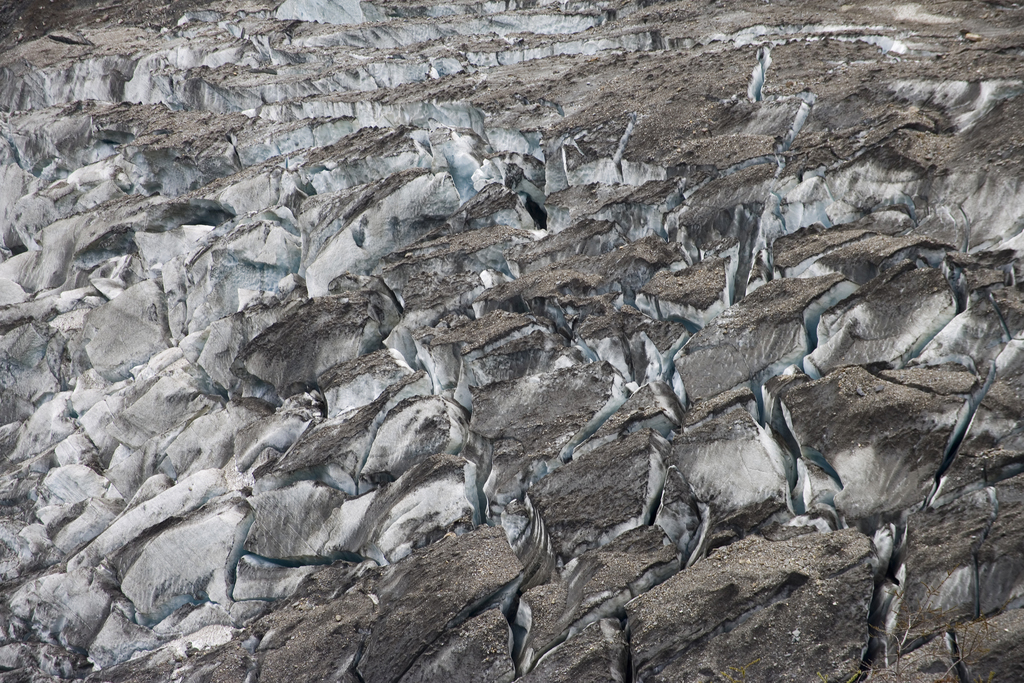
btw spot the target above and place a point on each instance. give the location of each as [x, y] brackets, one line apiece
[72, 484]
[322, 11]
[759, 74]
[914, 12]
[633, 42]
[189, 494]
[968, 101]
[435, 505]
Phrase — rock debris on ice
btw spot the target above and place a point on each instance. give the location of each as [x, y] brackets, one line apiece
[394, 341]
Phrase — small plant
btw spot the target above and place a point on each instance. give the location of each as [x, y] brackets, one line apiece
[914, 628]
[740, 671]
[851, 679]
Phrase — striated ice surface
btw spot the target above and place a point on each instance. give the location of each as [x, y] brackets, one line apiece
[395, 341]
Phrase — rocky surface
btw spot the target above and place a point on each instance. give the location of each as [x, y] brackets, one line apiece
[596, 340]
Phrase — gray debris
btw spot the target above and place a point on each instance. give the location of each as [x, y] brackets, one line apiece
[381, 341]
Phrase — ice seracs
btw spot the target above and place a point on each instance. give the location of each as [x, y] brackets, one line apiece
[881, 439]
[400, 341]
[759, 337]
[887, 321]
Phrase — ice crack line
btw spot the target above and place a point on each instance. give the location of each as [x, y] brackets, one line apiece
[759, 74]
